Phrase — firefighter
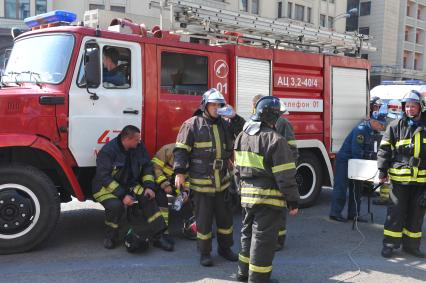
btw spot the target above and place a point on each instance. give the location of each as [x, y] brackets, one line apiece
[359, 144]
[401, 159]
[124, 175]
[284, 128]
[375, 104]
[203, 148]
[165, 177]
[266, 171]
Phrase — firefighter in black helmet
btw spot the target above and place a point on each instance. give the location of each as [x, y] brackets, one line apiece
[375, 104]
[284, 128]
[266, 172]
[402, 160]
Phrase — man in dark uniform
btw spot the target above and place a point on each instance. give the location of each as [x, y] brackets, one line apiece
[124, 175]
[402, 159]
[204, 146]
[165, 179]
[266, 171]
[284, 128]
[359, 144]
[111, 72]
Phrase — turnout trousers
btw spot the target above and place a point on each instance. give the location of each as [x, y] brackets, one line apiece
[258, 241]
[207, 207]
[404, 218]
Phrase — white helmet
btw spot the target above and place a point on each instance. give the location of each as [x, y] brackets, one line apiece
[212, 96]
[414, 96]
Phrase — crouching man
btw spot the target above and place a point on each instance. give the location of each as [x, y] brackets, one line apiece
[124, 176]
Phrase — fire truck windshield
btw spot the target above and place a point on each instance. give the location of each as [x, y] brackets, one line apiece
[39, 59]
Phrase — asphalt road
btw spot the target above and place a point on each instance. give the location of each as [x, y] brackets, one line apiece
[316, 251]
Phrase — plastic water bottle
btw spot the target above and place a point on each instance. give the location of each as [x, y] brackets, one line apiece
[227, 110]
[178, 203]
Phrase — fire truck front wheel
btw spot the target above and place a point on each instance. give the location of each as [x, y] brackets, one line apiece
[309, 178]
[29, 208]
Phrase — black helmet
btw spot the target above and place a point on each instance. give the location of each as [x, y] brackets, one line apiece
[268, 109]
[375, 104]
[135, 243]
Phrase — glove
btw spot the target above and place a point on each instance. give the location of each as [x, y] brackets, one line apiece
[422, 199]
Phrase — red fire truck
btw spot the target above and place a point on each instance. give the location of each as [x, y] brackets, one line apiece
[57, 110]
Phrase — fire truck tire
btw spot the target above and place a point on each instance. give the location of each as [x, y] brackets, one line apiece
[29, 208]
[309, 178]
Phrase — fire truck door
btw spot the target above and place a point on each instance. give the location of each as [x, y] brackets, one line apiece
[184, 76]
[92, 123]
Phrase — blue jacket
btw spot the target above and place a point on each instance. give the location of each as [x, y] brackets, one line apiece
[359, 143]
[114, 76]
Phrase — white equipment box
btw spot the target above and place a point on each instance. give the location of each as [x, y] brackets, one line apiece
[363, 170]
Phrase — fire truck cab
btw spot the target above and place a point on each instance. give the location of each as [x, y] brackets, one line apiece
[58, 107]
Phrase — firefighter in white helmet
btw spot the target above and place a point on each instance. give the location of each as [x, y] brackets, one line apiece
[402, 160]
[203, 150]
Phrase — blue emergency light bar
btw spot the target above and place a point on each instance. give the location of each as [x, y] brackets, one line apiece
[50, 17]
[407, 82]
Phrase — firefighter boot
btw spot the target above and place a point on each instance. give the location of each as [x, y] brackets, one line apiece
[414, 252]
[280, 243]
[206, 260]
[387, 252]
[241, 277]
[111, 237]
[227, 254]
[162, 243]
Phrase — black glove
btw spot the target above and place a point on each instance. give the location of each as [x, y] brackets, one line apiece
[422, 199]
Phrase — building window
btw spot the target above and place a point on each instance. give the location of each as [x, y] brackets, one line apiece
[41, 7]
[244, 5]
[364, 30]
[300, 12]
[330, 22]
[322, 20]
[289, 10]
[418, 59]
[17, 9]
[331, 1]
[365, 8]
[96, 7]
[119, 9]
[309, 15]
[185, 74]
[255, 7]
[280, 10]
[404, 62]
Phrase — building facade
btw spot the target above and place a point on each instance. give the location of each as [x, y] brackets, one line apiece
[398, 31]
[328, 14]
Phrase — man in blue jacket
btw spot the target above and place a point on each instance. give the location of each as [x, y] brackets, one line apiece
[359, 144]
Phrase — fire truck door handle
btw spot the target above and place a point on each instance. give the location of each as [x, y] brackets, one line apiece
[136, 112]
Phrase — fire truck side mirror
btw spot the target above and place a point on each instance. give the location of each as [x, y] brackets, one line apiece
[92, 67]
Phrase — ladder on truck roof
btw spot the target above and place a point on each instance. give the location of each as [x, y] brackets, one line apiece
[224, 26]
